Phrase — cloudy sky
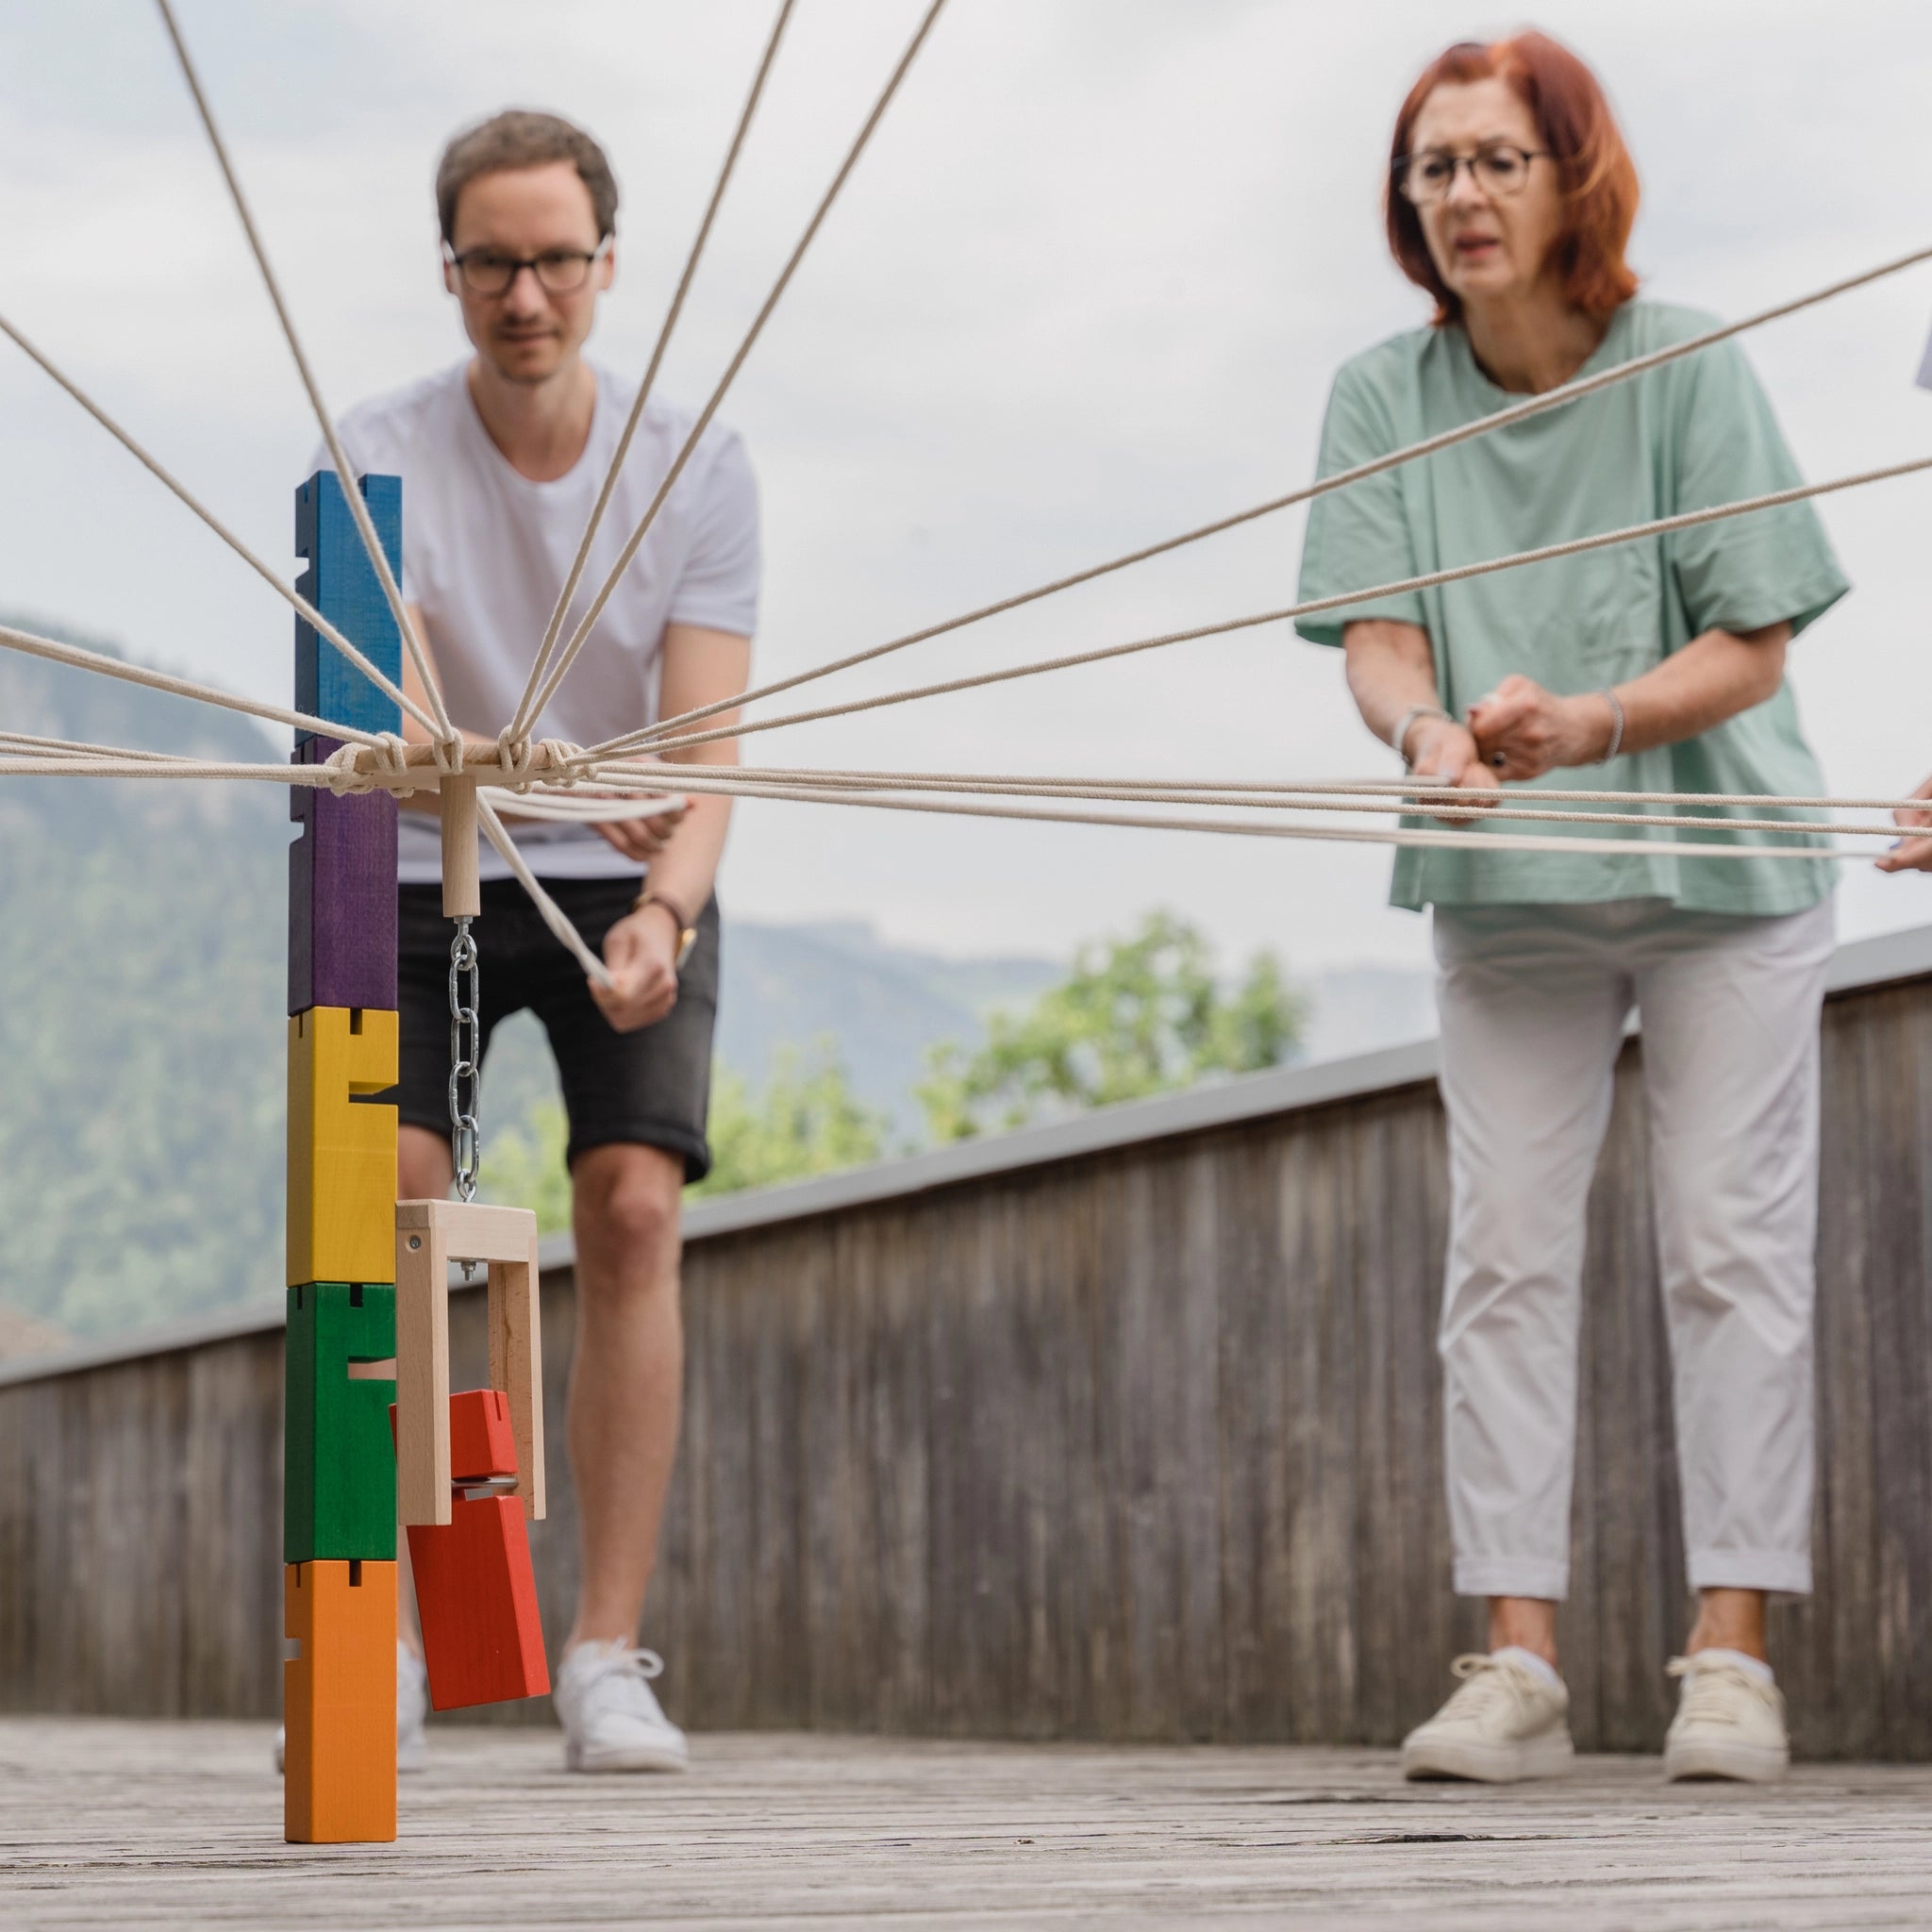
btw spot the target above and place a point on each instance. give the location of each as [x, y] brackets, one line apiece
[1088, 288]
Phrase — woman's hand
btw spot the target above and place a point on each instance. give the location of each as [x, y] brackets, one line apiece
[1912, 854]
[1522, 730]
[1442, 751]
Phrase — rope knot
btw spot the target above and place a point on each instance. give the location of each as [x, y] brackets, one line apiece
[388, 769]
[559, 756]
[449, 755]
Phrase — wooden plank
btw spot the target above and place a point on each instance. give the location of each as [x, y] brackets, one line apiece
[138, 1825]
[423, 1454]
[516, 1365]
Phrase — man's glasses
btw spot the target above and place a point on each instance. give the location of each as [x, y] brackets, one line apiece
[491, 272]
[1498, 170]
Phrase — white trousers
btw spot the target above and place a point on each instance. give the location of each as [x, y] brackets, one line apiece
[1533, 1004]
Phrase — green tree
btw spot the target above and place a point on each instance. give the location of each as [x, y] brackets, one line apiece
[1136, 1016]
[805, 1120]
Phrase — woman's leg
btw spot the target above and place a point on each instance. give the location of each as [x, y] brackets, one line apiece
[1532, 1003]
[1730, 1041]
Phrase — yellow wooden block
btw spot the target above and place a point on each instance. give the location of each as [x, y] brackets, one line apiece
[341, 1154]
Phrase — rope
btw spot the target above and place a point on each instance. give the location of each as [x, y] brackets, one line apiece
[745, 348]
[522, 718]
[1448, 439]
[1460, 803]
[650, 737]
[344, 473]
[1251, 829]
[551, 912]
[180, 686]
[304, 609]
[1313, 789]
[79, 748]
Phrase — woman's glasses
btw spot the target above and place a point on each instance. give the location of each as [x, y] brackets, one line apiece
[1498, 170]
[491, 272]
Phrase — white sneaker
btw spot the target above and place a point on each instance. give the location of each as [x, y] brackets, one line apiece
[412, 1712]
[1503, 1723]
[610, 1717]
[412, 1709]
[1729, 1723]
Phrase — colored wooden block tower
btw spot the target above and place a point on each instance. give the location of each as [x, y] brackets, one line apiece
[339, 1536]
[473, 1463]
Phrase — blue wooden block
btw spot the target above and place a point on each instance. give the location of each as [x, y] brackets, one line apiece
[342, 584]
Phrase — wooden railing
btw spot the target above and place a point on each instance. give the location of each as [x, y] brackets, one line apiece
[1124, 1428]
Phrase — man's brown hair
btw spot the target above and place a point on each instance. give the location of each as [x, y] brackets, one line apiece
[523, 137]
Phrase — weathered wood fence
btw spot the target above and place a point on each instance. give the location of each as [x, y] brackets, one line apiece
[1127, 1428]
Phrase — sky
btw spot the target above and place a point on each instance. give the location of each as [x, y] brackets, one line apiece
[1088, 288]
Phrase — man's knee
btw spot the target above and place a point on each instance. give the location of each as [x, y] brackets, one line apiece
[627, 1204]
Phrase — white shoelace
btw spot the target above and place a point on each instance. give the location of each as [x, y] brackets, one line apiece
[638, 1666]
[1488, 1682]
[1707, 1690]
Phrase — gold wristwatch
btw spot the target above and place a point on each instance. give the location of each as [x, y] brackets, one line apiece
[687, 932]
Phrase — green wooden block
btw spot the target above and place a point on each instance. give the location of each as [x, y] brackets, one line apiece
[339, 1459]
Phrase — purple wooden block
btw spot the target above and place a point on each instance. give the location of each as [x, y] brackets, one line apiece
[341, 894]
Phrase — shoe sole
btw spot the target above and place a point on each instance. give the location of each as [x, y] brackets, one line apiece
[1488, 1764]
[662, 1762]
[1741, 1764]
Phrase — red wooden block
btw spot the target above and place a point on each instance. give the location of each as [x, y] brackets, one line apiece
[476, 1595]
[481, 1442]
[476, 1590]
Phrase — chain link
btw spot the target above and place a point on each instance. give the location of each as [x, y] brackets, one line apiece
[465, 1056]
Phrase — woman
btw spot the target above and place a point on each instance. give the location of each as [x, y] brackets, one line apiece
[1660, 667]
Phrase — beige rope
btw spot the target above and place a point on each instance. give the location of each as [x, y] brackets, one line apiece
[524, 717]
[180, 686]
[652, 739]
[346, 475]
[1313, 789]
[1458, 803]
[553, 915]
[1448, 439]
[1403, 836]
[79, 748]
[306, 611]
[745, 348]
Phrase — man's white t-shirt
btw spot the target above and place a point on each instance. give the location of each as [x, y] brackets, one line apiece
[484, 552]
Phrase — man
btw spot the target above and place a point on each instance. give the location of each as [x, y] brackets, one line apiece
[502, 459]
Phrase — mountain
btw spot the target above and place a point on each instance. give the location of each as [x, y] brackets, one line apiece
[142, 1021]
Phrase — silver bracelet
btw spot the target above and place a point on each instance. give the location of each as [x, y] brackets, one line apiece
[1399, 737]
[1616, 704]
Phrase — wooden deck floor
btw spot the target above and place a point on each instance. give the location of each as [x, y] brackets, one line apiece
[106, 1824]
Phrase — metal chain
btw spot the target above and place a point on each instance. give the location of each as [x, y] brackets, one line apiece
[465, 1056]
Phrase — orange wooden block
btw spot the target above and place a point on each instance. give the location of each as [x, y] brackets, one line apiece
[339, 1702]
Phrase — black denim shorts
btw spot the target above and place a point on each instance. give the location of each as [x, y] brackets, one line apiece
[652, 1087]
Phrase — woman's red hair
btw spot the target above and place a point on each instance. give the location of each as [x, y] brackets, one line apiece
[1576, 124]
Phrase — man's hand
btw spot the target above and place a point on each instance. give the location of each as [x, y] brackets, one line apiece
[639, 839]
[1522, 731]
[1442, 751]
[1912, 854]
[640, 950]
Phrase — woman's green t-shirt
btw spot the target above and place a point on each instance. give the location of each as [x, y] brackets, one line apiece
[1694, 433]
